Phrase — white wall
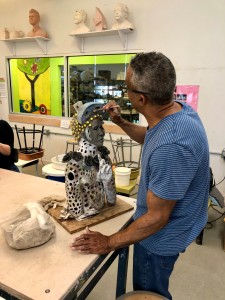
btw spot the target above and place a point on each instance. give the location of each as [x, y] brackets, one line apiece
[191, 33]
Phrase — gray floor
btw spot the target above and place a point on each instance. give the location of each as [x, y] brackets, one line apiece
[199, 273]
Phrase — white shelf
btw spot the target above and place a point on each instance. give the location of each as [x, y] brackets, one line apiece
[122, 33]
[41, 42]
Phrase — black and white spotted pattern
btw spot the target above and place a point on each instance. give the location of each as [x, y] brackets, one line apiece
[84, 194]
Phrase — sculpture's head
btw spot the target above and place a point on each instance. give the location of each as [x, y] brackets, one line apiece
[80, 16]
[88, 124]
[121, 11]
[34, 16]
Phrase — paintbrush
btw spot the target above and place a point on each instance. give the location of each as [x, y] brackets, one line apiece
[102, 108]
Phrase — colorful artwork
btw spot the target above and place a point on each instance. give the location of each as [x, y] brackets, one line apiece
[187, 94]
[34, 85]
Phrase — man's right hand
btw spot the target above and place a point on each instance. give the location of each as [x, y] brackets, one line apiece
[114, 111]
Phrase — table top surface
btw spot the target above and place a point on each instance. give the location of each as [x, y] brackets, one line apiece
[51, 270]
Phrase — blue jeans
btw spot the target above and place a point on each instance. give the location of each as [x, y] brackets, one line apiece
[151, 272]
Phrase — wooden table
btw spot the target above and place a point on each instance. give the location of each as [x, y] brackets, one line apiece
[51, 271]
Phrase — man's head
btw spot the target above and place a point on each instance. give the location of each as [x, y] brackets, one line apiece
[121, 12]
[153, 75]
[34, 16]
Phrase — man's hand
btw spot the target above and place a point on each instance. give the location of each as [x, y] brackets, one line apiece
[114, 111]
[91, 242]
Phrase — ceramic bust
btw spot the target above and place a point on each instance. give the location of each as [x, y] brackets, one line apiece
[89, 179]
[34, 19]
[99, 20]
[80, 19]
[121, 15]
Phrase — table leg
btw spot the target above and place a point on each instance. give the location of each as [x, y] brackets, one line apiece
[122, 272]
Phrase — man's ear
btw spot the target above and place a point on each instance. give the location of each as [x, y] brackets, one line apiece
[142, 100]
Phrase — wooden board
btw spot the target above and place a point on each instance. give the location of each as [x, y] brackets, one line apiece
[72, 226]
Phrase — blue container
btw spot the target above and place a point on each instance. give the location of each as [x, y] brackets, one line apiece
[56, 178]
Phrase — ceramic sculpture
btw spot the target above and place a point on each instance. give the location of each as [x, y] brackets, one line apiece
[99, 21]
[34, 19]
[15, 34]
[89, 179]
[121, 15]
[4, 34]
[80, 18]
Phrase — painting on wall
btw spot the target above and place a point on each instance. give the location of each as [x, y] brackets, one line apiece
[187, 94]
[36, 85]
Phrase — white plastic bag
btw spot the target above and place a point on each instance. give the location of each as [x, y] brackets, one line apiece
[28, 227]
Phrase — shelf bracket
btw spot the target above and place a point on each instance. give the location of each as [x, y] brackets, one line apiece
[123, 35]
[80, 41]
[42, 45]
[40, 41]
[123, 39]
[12, 47]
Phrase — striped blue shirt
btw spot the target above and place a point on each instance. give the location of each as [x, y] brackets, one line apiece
[175, 166]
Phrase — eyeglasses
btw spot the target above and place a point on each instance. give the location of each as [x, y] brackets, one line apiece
[125, 89]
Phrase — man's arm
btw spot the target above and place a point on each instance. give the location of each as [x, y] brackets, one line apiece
[135, 132]
[5, 149]
[153, 220]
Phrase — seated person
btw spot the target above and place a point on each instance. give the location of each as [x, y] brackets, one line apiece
[88, 175]
[7, 151]
[121, 15]
[34, 19]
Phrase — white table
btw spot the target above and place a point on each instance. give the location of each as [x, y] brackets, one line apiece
[51, 271]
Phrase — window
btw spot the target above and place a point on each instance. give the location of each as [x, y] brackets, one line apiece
[43, 85]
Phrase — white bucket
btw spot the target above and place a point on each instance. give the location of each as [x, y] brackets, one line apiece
[122, 176]
[57, 162]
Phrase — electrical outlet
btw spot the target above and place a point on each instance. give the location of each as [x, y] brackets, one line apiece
[223, 153]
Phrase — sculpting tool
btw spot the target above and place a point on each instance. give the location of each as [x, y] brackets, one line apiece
[111, 107]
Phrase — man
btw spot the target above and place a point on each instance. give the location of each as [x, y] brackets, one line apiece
[7, 152]
[174, 185]
[34, 19]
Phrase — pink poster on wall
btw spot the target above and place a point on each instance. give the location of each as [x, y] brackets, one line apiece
[187, 94]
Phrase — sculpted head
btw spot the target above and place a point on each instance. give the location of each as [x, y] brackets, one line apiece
[121, 11]
[88, 124]
[34, 16]
[80, 16]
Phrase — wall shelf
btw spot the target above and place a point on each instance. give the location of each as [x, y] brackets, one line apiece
[39, 40]
[122, 33]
